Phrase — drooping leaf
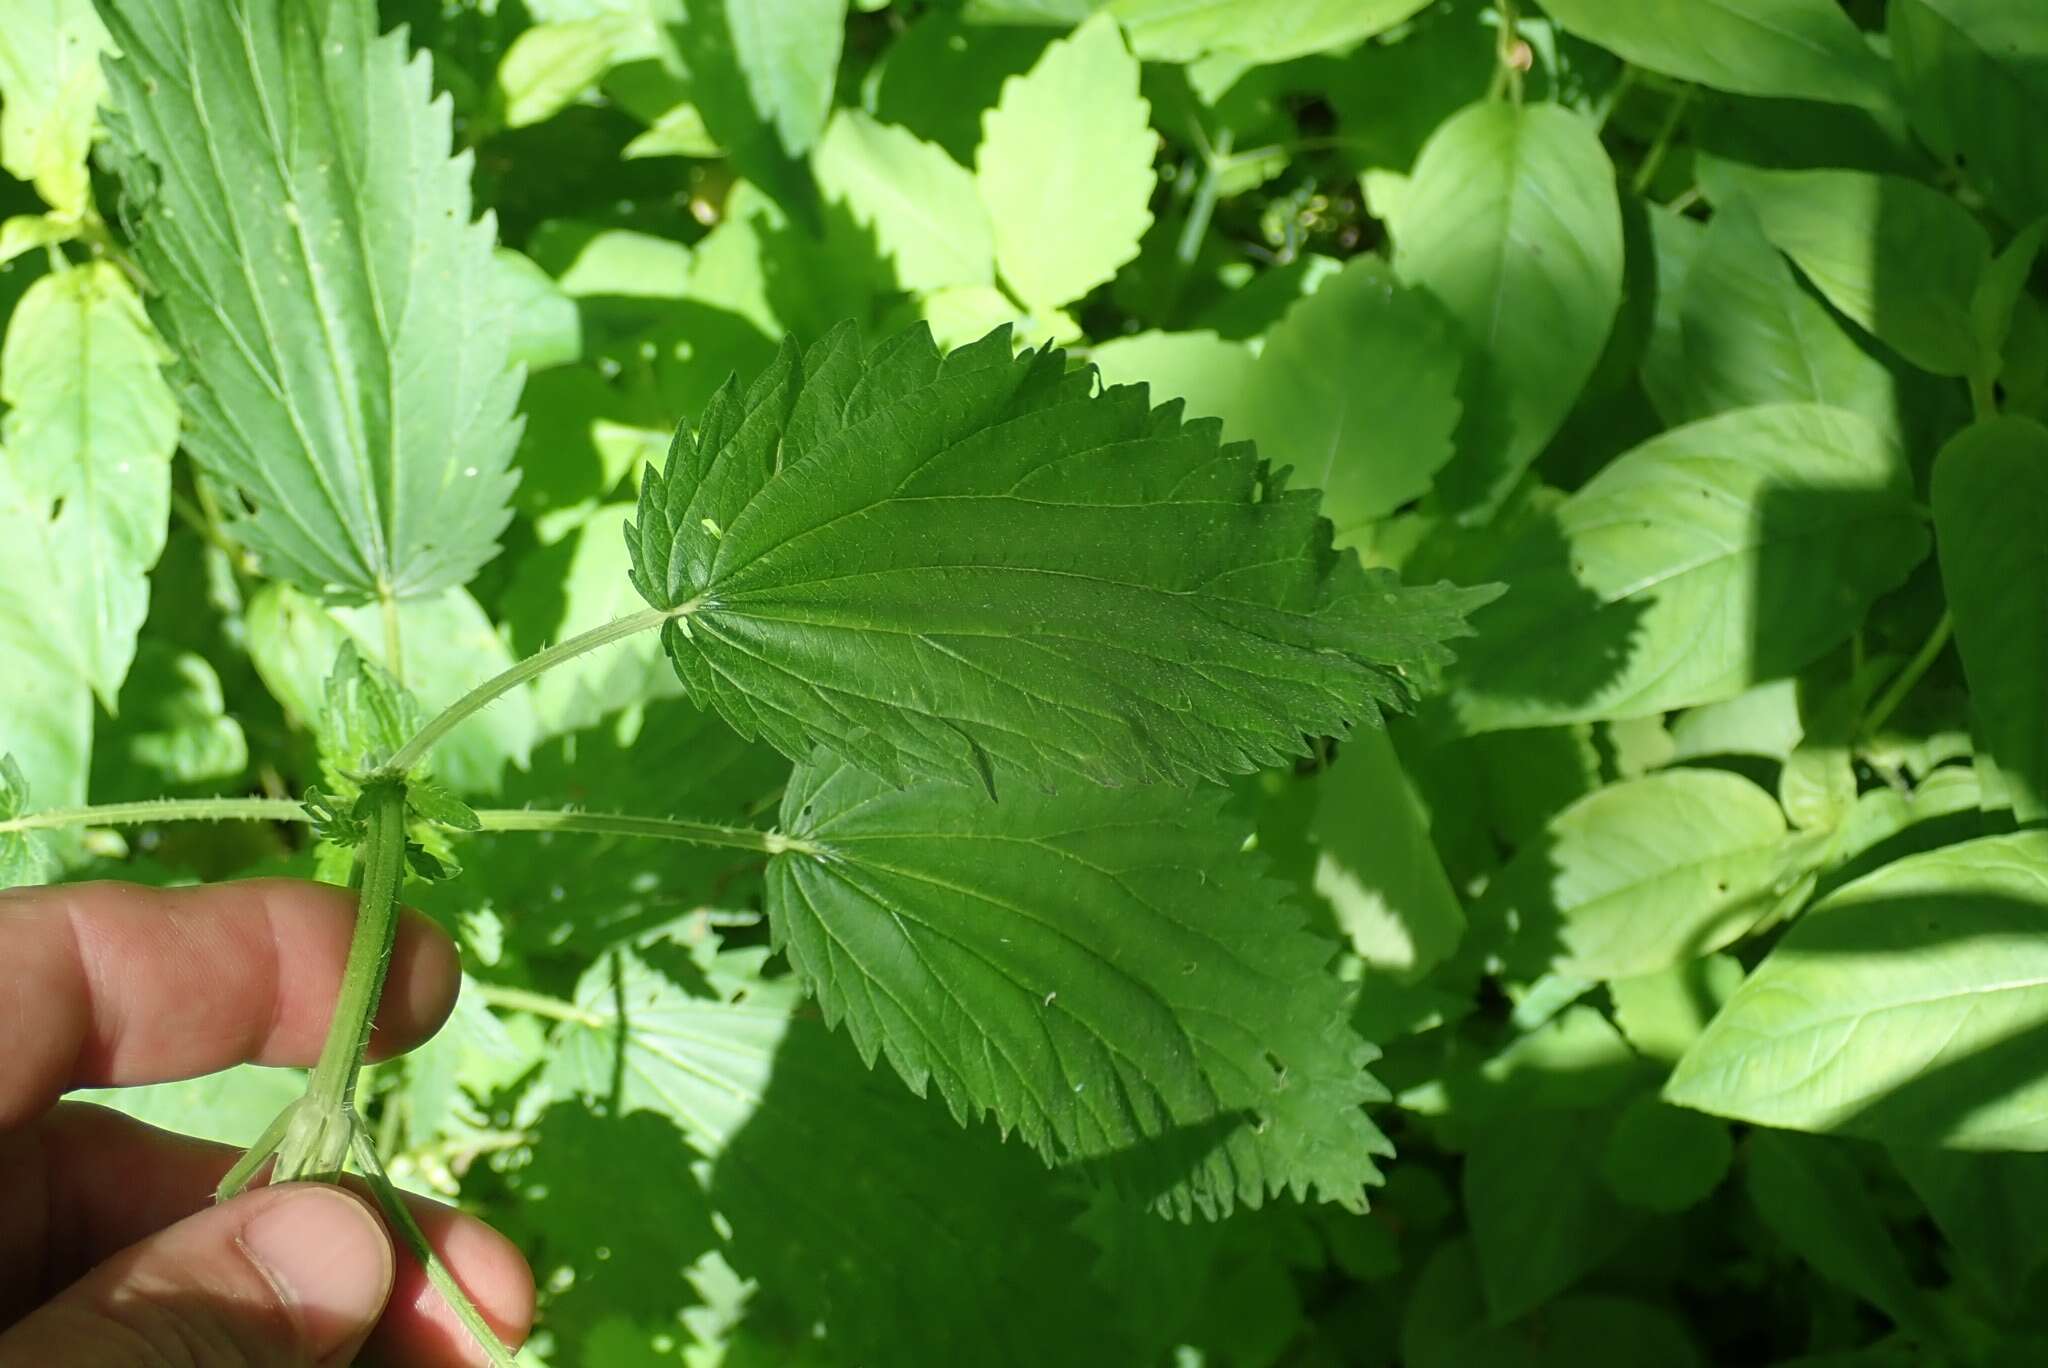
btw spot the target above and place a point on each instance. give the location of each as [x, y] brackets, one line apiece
[550, 65]
[1907, 1006]
[1253, 31]
[922, 205]
[1065, 168]
[1511, 220]
[1710, 559]
[1356, 388]
[977, 565]
[1801, 49]
[1975, 78]
[1107, 972]
[1990, 494]
[88, 442]
[1749, 335]
[290, 189]
[1646, 873]
[1900, 258]
[1375, 864]
[50, 88]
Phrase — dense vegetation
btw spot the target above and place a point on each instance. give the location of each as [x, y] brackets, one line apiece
[1570, 892]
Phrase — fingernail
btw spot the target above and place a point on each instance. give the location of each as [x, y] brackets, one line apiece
[327, 1257]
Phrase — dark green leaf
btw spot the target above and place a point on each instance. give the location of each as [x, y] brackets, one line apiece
[1803, 48]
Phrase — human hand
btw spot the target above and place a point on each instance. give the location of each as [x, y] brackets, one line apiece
[111, 1249]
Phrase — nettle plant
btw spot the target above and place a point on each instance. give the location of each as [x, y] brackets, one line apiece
[978, 799]
[1003, 620]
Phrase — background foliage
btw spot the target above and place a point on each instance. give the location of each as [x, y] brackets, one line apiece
[1699, 918]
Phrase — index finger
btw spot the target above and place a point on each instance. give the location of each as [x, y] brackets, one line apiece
[110, 984]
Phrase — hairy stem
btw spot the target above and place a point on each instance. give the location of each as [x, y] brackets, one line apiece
[160, 810]
[657, 828]
[438, 1273]
[534, 665]
[394, 640]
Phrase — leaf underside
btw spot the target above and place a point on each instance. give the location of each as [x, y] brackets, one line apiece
[287, 179]
[978, 564]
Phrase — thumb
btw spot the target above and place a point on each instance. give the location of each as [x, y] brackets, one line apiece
[289, 1275]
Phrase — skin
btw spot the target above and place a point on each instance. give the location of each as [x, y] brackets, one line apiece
[111, 1250]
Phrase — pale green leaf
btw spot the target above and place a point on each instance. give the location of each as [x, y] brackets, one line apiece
[24, 855]
[1213, 374]
[921, 204]
[1908, 1006]
[1709, 559]
[1975, 77]
[559, 593]
[88, 442]
[1065, 168]
[172, 728]
[1748, 334]
[1357, 389]
[290, 189]
[1763, 720]
[50, 89]
[549, 66]
[978, 565]
[1108, 972]
[590, 260]
[1511, 220]
[1797, 49]
[46, 706]
[1375, 865]
[1646, 873]
[449, 645]
[1899, 258]
[24, 233]
[1663, 1013]
[1990, 495]
[1254, 31]
[231, 1107]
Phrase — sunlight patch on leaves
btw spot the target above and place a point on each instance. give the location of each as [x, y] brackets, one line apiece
[50, 88]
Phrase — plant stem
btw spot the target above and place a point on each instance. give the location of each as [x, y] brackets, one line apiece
[400, 1216]
[394, 640]
[1983, 397]
[538, 1004]
[160, 810]
[1902, 684]
[658, 828]
[369, 952]
[539, 663]
[1654, 158]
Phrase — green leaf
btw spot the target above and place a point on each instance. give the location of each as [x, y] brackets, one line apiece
[50, 88]
[1749, 335]
[922, 205]
[1375, 865]
[1109, 973]
[1663, 1013]
[1975, 77]
[173, 728]
[1213, 374]
[1709, 559]
[550, 65]
[89, 440]
[1816, 1198]
[1065, 168]
[1799, 49]
[1989, 1207]
[1253, 31]
[1990, 495]
[1663, 1158]
[1512, 221]
[1541, 1217]
[975, 564]
[24, 856]
[1901, 259]
[545, 329]
[1644, 874]
[570, 588]
[449, 645]
[231, 1107]
[345, 362]
[1356, 388]
[1907, 1006]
